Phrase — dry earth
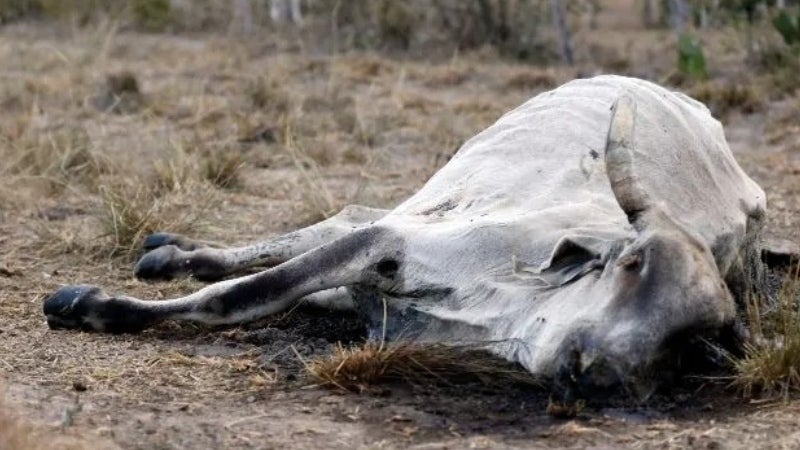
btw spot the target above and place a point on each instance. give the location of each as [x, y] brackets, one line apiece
[312, 132]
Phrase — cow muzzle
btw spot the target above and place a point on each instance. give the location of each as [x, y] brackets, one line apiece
[588, 369]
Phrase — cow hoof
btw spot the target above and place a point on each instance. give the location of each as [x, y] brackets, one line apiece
[170, 262]
[88, 308]
[158, 264]
[158, 240]
[70, 307]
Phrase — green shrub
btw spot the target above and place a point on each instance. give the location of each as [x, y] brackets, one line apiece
[788, 27]
[691, 59]
[151, 15]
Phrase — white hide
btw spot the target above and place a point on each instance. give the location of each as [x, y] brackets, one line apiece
[489, 220]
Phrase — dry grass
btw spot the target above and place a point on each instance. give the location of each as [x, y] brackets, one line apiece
[724, 97]
[318, 201]
[132, 209]
[373, 124]
[56, 159]
[269, 94]
[771, 364]
[531, 79]
[363, 367]
[222, 168]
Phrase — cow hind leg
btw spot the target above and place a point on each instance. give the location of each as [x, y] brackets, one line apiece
[173, 256]
[157, 240]
[343, 262]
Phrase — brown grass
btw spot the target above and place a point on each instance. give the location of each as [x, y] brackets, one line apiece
[771, 364]
[55, 159]
[196, 88]
[132, 209]
[318, 201]
[724, 97]
[223, 168]
[362, 367]
[269, 94]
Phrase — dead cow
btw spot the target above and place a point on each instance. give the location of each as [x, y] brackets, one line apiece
[580, 235]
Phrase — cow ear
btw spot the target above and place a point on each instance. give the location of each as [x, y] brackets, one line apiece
[620, 167]
[572, 257]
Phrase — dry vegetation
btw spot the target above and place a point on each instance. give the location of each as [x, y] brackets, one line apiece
[362, 368]
[770, 366]
[110, 134]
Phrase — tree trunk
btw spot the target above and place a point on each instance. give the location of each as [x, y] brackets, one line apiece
[242, 20]
[679, 13]
[560, 23]
[651, 13]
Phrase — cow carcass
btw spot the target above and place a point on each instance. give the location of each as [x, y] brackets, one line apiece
[579, 236]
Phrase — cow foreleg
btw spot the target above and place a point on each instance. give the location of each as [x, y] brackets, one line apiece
[343, 262]
[171, 256]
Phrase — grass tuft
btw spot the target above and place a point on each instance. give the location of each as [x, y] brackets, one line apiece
[724, 97]
[60, 158]
[268, 94]
[182, 170]
[360, 368]
[222, 168]
[771, 363]
[318, 201]
[133, 210]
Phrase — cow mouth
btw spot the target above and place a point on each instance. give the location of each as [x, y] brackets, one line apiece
[587, 372]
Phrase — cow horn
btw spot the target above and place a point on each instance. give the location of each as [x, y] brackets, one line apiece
[625, 184]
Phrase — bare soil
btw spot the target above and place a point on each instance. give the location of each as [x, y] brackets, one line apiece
[371, 129]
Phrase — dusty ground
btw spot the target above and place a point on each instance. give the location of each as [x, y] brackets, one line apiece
[364, 129]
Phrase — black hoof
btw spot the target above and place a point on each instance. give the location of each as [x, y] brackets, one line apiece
[87, 308]
[70, 307]
[157, 240]
[159, 264]
[169, 262]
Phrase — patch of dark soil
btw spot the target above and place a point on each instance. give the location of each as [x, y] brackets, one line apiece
[305, 333]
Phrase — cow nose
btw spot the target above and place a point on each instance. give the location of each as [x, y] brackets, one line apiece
[587, 373]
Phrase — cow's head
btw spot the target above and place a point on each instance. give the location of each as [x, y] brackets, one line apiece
[663, 284]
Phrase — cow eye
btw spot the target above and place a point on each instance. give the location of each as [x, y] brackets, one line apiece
[630, 262]
[387, 268]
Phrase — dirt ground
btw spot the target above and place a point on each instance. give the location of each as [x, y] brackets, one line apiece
[366, 128]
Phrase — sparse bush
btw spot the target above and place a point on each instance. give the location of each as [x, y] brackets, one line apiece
[771, 364]
[11, 10]
[131, 210]
[779, 63]
[151, 15]
[182, 170]
[58, 159]
[789, 27]
[318, 201]
[724, 97]
[81, 12]
[173, 174]
[266, 93]
[530, 80]
[396, 22]
[119, 94]
[222, 168]
[691, 59]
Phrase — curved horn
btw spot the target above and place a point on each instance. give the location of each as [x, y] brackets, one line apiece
[625, 184]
